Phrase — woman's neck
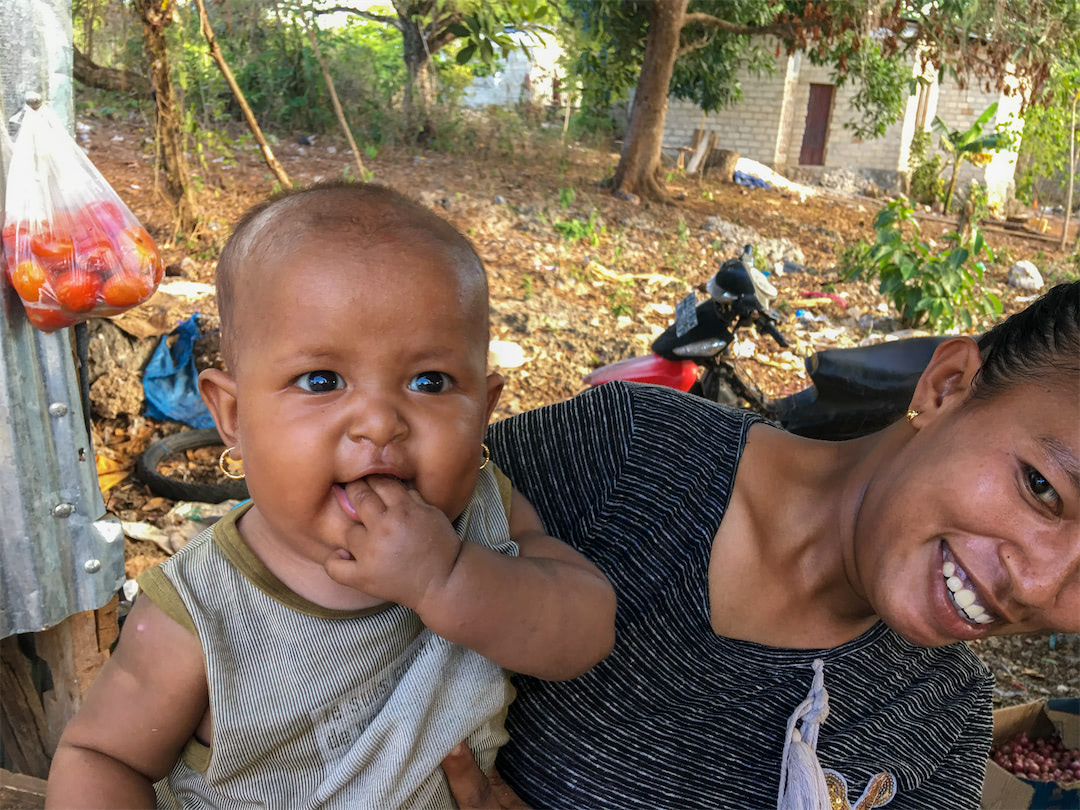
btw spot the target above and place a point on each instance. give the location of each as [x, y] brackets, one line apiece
[781, 570]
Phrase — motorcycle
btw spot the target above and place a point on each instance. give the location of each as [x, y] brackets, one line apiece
[854, 391]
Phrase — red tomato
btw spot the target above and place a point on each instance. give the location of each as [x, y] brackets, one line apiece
[13, 233]
[126, 290]
[77, 290]
[99, 258]
[139, 254]
[52, 245]
[27, 278]
[105, 214]
[49, 320]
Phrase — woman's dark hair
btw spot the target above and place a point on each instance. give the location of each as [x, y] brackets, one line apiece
[1040, 341]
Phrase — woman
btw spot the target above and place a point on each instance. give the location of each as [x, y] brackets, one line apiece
[741, 555]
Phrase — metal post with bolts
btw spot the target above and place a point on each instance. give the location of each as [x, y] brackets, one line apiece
[60, 556]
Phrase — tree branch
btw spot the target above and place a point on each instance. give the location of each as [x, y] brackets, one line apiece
[367, 15]
[94, 75]
[783, 29]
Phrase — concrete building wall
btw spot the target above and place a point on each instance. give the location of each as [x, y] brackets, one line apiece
[958, 108]
[752, 127]
[843, 148]
[520, 78]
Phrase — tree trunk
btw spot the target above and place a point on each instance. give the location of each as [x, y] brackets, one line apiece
[156, 16]
[338, 111]
[88, 27]
[1072, 171]
[106, 78]
[249, 116]
[419, 94]
[638, 171]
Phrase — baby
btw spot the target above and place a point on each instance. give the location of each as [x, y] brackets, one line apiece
[330, 642]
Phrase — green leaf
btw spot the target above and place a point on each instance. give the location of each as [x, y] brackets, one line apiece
[459, 30]
[466, 53]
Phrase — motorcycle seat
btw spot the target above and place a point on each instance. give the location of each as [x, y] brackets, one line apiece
[884, 367]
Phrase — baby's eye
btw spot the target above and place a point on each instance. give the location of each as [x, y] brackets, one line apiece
[1043, 490]
[319, 382]
[430, 382]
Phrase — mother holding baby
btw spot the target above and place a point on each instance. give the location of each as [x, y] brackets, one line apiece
[779, 594]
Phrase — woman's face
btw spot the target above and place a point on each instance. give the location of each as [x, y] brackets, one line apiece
[973, 528]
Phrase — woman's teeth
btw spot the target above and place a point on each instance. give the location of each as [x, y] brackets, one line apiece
[963, 596]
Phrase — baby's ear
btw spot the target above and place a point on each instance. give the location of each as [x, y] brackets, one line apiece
[494, 389]
[218, 391]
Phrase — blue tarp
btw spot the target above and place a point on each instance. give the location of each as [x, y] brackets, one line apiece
[171, 381]
[744, 179]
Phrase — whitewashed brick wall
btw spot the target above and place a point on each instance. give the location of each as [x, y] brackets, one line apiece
[753, 127]
[767, 125]
[958, 108]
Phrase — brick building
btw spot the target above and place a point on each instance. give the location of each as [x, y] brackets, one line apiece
[793, 121]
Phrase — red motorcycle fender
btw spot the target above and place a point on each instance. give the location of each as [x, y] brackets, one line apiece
[652, 368]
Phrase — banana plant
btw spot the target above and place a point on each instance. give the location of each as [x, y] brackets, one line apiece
[970, 145]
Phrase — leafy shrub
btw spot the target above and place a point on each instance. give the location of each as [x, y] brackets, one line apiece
[940, 289]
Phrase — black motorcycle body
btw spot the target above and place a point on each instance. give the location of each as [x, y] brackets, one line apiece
[854, 391]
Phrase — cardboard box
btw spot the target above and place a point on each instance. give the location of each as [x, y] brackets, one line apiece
[1043, 718]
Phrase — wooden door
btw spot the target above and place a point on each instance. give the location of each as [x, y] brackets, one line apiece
[816, 132]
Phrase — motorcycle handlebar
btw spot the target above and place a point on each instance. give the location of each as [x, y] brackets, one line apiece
[765, 325]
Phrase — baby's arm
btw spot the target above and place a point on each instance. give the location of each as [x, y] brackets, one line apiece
[549, 612]
[141, 710]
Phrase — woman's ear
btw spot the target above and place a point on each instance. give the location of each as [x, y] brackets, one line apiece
[494, 390]
[218, 391]
[946, 381]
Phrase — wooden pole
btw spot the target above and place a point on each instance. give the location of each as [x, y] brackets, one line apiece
[338, 111]
[223, 66]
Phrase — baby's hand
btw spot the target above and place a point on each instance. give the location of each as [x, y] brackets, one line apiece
[401, 547]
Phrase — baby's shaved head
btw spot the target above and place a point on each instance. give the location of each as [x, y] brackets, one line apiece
[360, 215]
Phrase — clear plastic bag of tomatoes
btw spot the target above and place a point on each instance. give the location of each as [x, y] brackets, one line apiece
[72, 249]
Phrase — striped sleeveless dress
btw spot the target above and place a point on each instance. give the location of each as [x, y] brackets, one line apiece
[316, 708]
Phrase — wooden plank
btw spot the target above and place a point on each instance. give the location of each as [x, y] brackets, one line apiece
[24, 732]
[75, 650]
[700, 152]
[713, 140]
[21, 792]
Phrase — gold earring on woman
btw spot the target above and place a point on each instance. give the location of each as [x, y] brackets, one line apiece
[224, 461]
[487, 455]
[911, 414]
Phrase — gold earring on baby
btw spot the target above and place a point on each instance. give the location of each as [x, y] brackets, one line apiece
[487, 455]
[911, 414]
[224, 462]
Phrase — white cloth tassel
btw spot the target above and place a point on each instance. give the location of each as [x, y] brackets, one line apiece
[802, 782]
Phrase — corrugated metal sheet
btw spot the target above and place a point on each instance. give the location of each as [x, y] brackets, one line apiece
[58, 553]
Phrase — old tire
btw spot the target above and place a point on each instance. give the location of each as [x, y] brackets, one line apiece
[146, 470]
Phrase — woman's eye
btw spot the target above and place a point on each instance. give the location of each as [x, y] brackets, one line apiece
[1042, 489]
[319, 382]
[430, 382]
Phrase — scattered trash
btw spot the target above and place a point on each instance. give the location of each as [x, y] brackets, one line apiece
[181, 523]
[170, 380]
[505, 354]
[836, 298]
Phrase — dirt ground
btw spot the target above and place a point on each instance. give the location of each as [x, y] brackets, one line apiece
[568, 307]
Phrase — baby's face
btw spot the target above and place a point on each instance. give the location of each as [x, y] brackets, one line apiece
[351, 362]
